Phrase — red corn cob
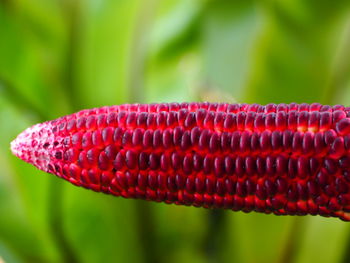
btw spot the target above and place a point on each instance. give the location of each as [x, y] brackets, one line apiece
[288, 159]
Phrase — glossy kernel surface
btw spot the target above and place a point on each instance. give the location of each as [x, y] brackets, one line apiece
[286, 159]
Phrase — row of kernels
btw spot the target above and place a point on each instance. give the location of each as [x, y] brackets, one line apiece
[215, 107]
[240, 143]
[220, 121]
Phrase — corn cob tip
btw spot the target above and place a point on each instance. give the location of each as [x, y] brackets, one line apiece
[33, 145]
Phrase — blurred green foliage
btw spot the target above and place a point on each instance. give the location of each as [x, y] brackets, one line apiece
[59, 56]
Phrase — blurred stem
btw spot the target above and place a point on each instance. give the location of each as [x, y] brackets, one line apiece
[136, 85]
[215, 237]
[290, 247]
[72, 8]
[339, 77]
[346, 256]
[9, 90]
[138, 52]
[55, 218]
[146, 228]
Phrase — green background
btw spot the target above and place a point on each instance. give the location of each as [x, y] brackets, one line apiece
[60, 56]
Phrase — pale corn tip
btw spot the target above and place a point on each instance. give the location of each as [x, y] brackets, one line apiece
[34, 144]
